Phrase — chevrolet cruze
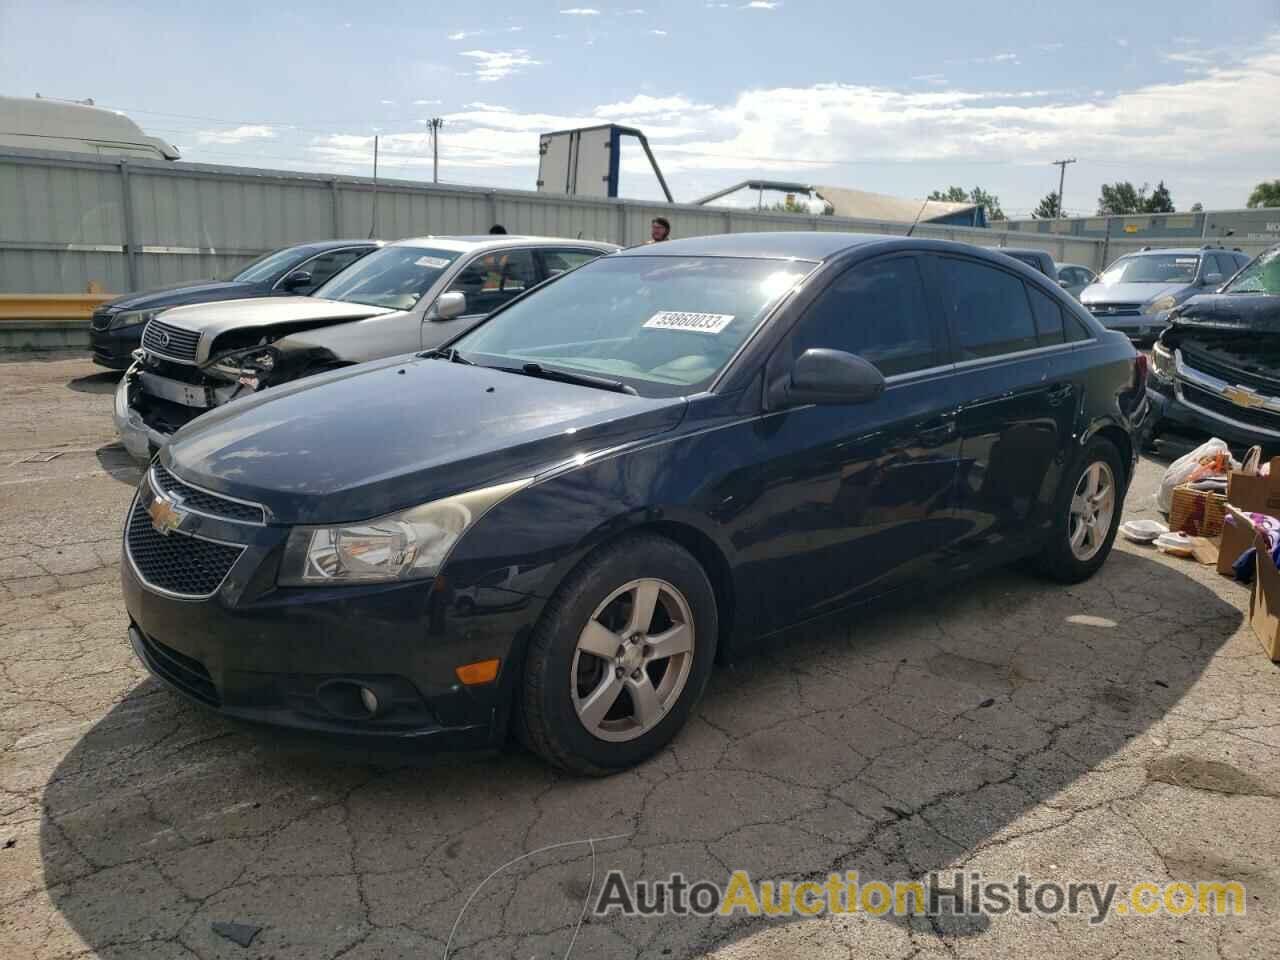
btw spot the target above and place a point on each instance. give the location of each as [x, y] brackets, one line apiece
[555, 525]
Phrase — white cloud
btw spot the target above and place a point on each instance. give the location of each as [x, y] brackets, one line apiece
[581, 12]
[762, 5]
[236, 135]
[937, 79]
[644, 105]
[387, 103]
[635, 12]
[514, 29]
[1048, 47]
[463, 34]
[425, 103]
[658, 33]
[494, 65]
[1121, 42]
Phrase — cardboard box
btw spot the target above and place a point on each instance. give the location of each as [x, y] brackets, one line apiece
[1256, 494]
[1237, 537]
[1264, 604]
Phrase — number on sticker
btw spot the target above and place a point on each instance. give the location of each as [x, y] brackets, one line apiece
[689, 322]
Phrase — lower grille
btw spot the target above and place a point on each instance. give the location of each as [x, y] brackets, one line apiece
[1104, 310]
[1215, 403]
[186, 673]
[176, 563]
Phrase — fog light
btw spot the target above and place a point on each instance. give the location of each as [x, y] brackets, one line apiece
[369, 699]
[483, 671]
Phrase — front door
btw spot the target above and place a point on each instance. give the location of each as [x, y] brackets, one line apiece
[1018, 401]
[853, 500]
[488, 281]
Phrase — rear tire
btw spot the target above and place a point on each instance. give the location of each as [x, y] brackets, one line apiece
[1086, 515]
[619, 658]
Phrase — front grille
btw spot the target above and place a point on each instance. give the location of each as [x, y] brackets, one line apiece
[1104, 310]
[203, 502]
[1230, 374]
[177, 563]
[181, 344]
[100, 320]
[186, 673]
[1216, 403]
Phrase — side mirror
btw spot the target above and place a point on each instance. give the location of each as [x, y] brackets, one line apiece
[1064, 283]
[1212, 279]
[297, 279]
[820, 375]
[450, 304]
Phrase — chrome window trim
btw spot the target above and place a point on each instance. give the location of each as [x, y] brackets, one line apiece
[1018, 355]
[157, 489]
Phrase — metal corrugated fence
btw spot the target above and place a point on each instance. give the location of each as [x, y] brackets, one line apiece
[71, 220]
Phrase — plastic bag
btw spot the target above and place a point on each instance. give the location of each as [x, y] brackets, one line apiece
[1211, 458]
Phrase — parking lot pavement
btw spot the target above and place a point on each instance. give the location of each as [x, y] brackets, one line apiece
[1123, 730]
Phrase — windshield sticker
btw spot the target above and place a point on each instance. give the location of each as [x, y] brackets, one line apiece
[1186, 260]
[712, 323]
[435, 263]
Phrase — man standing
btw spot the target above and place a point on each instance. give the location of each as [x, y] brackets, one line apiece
[659, 230]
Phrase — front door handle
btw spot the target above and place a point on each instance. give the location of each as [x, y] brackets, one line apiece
[938, 430]
[1060, 393]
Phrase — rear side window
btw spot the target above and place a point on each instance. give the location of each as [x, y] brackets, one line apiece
[987, 310]
[878, 311]
[555, 262]
[1048, 314]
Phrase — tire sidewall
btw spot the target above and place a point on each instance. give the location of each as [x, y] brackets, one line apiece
[642, 558]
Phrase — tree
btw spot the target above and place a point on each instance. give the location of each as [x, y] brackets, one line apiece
[1122, 197]
[790, 205]
[1197, 207]
[1265, 194]
[977, 196]
[1159, 201]
[1048, 209]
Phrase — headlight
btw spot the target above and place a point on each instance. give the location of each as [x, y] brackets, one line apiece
[1162, 361]
[131, 318]
[409, 545]
[252, 362]
[1160, 305]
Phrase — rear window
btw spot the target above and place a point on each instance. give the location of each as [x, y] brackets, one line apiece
[987, 309]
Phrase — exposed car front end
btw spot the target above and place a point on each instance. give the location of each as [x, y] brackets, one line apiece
[1216, 371]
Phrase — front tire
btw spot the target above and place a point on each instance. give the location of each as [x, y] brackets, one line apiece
[1086, 515]
[620, 657]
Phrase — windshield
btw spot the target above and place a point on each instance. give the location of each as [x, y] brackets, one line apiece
[1261, 276]
[664, 325]
[273, 264]
[394, 277]
[1153, 268]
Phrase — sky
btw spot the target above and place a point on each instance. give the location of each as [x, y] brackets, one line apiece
[818, 91]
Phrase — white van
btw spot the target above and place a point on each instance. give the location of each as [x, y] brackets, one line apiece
[42, 124]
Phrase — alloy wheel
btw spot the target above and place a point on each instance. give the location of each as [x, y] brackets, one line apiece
[1092, 507]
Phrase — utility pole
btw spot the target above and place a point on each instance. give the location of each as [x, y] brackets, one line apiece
[435, 123]
[373, 226]
[1062, 176]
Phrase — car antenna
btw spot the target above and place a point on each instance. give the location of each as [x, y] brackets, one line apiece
[917, 219]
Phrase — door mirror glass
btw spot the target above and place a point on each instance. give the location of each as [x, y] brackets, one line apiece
[296, 280]
[450, 304]
[823, 375]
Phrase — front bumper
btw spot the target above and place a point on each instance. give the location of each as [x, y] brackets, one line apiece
[272, 655]
[1172, 414]
[141, 441]
[114, 348]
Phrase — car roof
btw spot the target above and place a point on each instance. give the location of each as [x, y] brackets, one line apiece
[1007, 250]
[319, 245]
[783, 245]
[466, 244]
[1079, 266]
[1181, 251]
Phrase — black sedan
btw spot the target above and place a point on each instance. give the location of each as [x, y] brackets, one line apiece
[115, 330]
[556, 525]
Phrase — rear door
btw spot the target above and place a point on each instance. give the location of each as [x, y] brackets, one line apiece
[553, 261]
[1016, 405]
[853, 500]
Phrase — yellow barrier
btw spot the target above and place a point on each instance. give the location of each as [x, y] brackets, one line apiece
[19, 307]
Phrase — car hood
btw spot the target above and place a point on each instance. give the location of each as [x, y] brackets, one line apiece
[1254, 312]
[215, 318]
[180, 294]
[1128, 292]
[391, 434]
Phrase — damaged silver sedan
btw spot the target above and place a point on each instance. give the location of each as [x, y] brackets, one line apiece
[408, 296]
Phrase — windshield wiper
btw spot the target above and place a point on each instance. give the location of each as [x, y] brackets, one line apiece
[563, 376]
[452, 355]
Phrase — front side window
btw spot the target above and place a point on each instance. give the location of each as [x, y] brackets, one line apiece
[394, 277]
[665, 326]
[1261, 276]
[877, 310]
[328, 265]
[491, 280]
[1153, 268]
[987, 310]
[271, 266]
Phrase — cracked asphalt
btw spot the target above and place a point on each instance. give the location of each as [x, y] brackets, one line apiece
[1126, 729]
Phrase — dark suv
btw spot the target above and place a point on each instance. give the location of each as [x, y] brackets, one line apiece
[116, 328]
[1135, 294]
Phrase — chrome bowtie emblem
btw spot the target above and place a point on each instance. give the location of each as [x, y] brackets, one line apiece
[165, 515]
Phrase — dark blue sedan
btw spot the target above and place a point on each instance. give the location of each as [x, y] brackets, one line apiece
[115, 330]
[557, 525]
